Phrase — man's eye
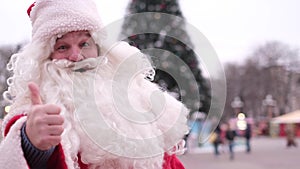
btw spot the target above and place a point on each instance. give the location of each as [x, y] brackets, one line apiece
[60, 48]
[85, 44]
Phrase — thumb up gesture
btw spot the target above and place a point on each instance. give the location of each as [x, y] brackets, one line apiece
[44, 124]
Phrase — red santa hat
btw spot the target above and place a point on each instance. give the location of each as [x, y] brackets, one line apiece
[56, 17]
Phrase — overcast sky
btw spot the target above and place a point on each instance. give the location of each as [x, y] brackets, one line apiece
[233, 27]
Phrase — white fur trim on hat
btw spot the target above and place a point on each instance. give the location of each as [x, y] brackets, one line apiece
[56, 17]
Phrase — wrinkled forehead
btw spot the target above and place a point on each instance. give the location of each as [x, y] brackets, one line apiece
[75, 34]
[82, 33]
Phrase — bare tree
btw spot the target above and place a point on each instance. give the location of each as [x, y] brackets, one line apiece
[272, 68]
[233, 79]
[279, 63]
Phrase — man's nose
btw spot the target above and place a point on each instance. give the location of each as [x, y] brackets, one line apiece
[75, 54]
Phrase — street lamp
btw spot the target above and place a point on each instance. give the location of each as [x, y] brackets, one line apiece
[237, 105]
[270, 104]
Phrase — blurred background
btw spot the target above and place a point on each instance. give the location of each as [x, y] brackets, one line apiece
[257, 43]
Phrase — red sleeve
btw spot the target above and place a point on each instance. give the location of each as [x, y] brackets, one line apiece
[172, 162]
[57, 159]
[11, 122]
[81, 164]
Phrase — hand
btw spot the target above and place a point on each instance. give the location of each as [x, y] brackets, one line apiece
[44, 124]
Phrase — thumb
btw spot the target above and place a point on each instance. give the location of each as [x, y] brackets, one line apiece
[34, 93]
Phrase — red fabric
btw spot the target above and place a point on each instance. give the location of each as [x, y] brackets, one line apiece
[11, 122]
[81, 164]
[172, 162]
[57, 159]
[29, 9]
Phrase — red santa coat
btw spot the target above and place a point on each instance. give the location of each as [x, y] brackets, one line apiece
[15, 158]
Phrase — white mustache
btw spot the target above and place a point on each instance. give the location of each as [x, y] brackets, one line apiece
[81, 66]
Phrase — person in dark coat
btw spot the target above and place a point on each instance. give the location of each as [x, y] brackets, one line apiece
[230, 135]
[248, 134]
[217, 140]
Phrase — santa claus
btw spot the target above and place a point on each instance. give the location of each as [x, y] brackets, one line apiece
[77, 102]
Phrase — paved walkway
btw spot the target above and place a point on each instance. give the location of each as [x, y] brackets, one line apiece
[267, 153]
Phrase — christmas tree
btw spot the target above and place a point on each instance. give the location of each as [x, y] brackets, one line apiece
[157, 28]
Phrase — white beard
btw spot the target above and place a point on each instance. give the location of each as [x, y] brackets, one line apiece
[76, 94]
[111, 122]
[114, 117]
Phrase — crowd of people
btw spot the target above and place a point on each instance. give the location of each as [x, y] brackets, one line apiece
[223, 139]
